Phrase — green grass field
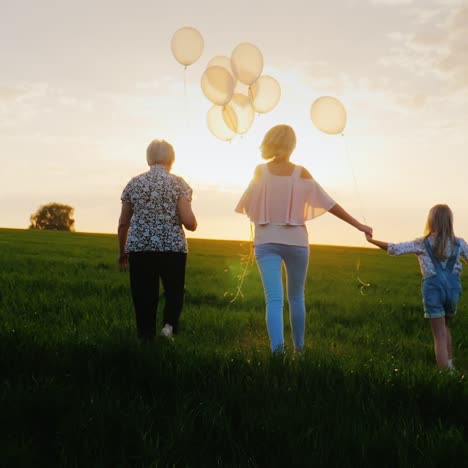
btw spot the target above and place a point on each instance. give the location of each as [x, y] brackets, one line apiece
[78, 389]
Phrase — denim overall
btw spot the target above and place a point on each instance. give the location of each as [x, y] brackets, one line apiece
[442, 291]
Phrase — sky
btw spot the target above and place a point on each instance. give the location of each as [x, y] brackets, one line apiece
[85, 86]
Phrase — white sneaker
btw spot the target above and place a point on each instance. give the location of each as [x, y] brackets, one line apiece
[166, 332]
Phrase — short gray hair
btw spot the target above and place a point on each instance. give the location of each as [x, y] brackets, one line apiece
[159, 152]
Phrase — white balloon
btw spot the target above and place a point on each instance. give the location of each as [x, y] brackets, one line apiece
[217, 125]
[328, 115]
[187, 45]
[265, 94]
[247, 63]
[239, 114]
[217, 85]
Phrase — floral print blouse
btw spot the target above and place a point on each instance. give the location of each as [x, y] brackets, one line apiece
[425, 263]
[155, 224]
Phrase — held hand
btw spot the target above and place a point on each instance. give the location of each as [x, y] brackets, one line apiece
[368, 237]
[366, 229]
[123, 262]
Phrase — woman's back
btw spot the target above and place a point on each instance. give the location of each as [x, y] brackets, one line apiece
[279, 195]
[285, 168]
[155, 223]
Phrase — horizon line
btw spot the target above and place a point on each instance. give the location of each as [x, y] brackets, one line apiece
[188, 238]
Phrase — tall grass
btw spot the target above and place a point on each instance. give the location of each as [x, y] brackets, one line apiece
[78, 389]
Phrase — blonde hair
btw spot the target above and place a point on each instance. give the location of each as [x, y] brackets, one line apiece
[278, 143]
[440, 223]
[159, 152]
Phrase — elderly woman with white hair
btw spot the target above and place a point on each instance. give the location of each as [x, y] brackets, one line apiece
[156, 205]
[279, 200]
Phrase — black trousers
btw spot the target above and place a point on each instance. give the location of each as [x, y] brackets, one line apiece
[146, 269]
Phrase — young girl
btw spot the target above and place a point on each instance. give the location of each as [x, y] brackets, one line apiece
[439, 253]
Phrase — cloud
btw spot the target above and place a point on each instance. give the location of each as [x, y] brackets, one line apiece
[455, 61]
[448, 43]
[18, 104]
[413, 101]
[436, 54]
[9, 94]
[417, 56]
[31, 107]
[391, 2]
[424, 16]
[22, 92]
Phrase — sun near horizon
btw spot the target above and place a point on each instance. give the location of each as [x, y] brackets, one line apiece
[77, 112]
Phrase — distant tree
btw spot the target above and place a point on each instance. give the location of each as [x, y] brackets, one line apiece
[54, 217]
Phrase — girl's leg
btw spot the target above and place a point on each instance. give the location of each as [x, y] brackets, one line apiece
[296, 259]
[449, 339]
[439, 332]
[269, 263]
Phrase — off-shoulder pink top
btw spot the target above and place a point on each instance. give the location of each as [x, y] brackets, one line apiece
[275, 203]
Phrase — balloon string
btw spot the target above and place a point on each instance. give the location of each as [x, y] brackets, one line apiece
[358, 195]
[247, 260]
[361, 209]
[185, 97]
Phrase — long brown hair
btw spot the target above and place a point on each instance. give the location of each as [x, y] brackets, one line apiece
[440, 224]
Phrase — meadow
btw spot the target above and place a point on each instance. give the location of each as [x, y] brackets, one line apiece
[79, 390]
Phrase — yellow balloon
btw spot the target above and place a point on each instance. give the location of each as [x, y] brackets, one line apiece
[217, 85]
[239, 114]
[328, 115]
[223, 62]
[247, 63]
[265, 94]
[187, 45]
[241, 88]
[216, 124]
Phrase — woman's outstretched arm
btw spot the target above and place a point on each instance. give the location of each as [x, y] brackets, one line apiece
[341, 213]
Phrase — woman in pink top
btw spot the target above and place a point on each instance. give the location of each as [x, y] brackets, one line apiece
[279, 200]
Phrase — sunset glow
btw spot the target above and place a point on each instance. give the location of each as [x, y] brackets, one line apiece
[86, 86]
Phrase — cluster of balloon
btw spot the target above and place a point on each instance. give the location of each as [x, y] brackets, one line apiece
[328, 115]
[236, 87]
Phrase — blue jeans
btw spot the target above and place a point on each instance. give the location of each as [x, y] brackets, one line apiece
[270, 258]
